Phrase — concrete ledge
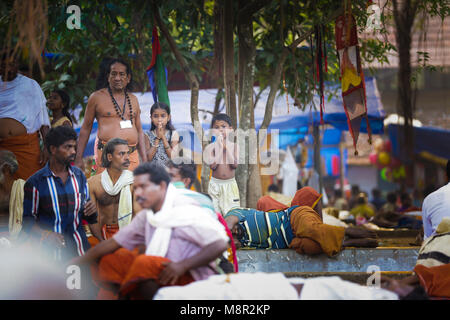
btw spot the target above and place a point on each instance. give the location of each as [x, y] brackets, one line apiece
[399, 233]
[348, 260]
[356, 277]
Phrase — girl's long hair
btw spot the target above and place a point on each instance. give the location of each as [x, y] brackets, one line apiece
[161, 105]
[66, 103]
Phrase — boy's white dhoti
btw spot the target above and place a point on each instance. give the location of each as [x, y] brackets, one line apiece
[225, 194]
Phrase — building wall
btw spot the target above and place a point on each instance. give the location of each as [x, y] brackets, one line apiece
[364, 176]
[432, 105]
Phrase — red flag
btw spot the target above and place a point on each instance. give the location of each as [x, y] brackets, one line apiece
[352, 77]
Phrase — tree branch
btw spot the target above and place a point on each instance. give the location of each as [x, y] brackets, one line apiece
[251, 8]
[305, 35]
[274, 82]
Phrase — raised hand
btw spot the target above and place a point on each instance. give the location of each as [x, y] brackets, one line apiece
[160, 131]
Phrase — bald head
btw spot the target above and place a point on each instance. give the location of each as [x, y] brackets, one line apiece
[8, 164]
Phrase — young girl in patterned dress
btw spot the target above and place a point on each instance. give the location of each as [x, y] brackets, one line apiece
[162, 138]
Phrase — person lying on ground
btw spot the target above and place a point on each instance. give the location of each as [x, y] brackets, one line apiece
[390, 219]
[298, 227]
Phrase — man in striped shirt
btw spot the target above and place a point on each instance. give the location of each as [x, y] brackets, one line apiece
[57, 199]
[259, 229]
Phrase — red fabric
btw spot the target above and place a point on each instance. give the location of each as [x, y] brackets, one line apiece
[230, 235]
[343, 25]
[156, 48]
[306, 196]
[109, 230]
[435, 280]
[267, 203]
[353, 96]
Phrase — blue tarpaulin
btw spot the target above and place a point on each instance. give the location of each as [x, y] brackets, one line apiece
[426, 139]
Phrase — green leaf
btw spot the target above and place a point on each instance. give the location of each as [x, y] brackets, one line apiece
[64, 77]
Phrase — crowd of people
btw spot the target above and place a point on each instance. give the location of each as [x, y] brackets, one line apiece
[395, 210]
[136, 226]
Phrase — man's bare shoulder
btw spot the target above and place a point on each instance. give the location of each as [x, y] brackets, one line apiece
[134, 99]
[94, 180]
[98, 94]
[132, 95]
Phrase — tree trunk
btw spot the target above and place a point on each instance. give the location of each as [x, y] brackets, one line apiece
[218, 100]
[254, 188]
[228, 54]
[246, 73]
[404, 15]
[317, 157]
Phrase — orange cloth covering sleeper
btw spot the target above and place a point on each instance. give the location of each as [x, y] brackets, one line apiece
[312, 236]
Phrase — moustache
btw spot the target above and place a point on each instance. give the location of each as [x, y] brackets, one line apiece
[140, 199]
